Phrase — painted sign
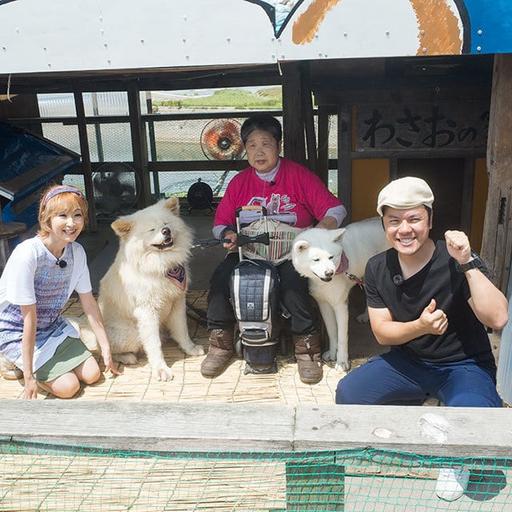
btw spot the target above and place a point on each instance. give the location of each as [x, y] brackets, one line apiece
[59, 35]
[422, 126]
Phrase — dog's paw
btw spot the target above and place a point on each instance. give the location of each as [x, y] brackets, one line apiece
[162, 373]
[342, 366]
[363, 317]
[194, 350]
[328, 356]
[126, 358]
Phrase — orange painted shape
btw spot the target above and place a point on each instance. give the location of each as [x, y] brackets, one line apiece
[439, 31]
[306, 26]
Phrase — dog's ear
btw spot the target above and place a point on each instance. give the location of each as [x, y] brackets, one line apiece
[338, 234]
[122, 226]
[301, 245]
[173, 203]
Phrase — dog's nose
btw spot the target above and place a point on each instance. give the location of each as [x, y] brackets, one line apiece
[329, 273]
[166, 232]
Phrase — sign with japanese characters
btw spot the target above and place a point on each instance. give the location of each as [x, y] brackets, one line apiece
[422, 126]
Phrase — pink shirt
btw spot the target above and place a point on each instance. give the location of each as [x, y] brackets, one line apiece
[296, 196]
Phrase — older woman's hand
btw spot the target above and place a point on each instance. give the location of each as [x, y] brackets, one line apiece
[230, 235]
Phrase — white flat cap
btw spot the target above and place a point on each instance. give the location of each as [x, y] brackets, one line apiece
[405, 193]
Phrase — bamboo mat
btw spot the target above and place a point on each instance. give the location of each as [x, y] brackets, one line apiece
[188, 385]
[78, 483]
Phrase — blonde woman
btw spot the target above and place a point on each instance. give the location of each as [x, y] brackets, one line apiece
[38, 279]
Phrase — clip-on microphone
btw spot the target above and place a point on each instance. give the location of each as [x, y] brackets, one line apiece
[398, 280]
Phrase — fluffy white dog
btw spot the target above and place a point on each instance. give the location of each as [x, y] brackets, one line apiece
[334, 261]
[144, 289]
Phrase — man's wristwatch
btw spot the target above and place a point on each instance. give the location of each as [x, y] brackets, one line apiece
[476, 262]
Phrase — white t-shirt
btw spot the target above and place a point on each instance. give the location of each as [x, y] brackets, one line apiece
[32, 276]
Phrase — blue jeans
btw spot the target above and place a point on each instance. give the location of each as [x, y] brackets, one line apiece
[394, 377]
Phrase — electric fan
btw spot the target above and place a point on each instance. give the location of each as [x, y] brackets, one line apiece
[116, 189]
[220, 140]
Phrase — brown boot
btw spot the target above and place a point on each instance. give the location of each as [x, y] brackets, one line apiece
[307, 354]
[219, 354]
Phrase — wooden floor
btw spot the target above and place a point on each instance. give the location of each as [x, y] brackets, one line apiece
[189, 385]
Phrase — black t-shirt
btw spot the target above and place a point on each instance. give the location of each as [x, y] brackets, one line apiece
[465, 336]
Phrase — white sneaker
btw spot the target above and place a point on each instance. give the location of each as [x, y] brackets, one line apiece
[451, 483]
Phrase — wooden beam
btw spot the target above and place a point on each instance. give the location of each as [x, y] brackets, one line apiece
[139, 145]
[176, 165]
[86, 158]
[293, 125]
[443, 431]
[420, 153]
[70, 120]
[497, 236]
[156, 79]
[409, 92]
[413, 429]
[197, 165]
[150, 426]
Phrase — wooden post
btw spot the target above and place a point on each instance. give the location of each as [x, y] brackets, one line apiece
[86, 158]
[139, 145]
[152, 143]
[497, 236]
[467, 194]
[97, 127]
[345, 158]
[293, 125]
[308, 117]
[322, 166]
[393, 168]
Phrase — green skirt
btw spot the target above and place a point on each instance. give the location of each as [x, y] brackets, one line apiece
[70, 354]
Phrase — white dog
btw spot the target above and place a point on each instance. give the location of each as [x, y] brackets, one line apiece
[145, 287]
[334, 261]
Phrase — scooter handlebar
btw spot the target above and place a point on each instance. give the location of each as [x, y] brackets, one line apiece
[262, 238]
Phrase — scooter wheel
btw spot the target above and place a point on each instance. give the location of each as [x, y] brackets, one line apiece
[238, 347]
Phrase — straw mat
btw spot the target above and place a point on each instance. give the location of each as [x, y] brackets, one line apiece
[188, 385]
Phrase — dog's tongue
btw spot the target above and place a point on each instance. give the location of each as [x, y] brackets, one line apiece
[342, 267]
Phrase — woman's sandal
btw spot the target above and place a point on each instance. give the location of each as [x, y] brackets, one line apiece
[13, 373]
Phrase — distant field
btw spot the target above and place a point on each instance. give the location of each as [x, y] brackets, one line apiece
[235, 98]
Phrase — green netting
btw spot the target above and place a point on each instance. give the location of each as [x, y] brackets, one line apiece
[36, 476]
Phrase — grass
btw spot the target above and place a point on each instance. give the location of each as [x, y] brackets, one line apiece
[234, 98]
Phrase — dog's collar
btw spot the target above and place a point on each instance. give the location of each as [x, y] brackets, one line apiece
[342, 269]
[358, 280]
[178, 276]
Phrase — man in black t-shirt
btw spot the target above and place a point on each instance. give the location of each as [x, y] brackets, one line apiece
[429, 302]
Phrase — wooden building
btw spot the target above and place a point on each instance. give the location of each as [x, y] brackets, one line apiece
[413, 87]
